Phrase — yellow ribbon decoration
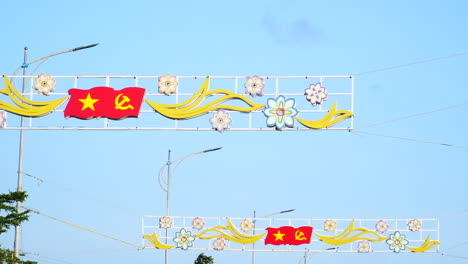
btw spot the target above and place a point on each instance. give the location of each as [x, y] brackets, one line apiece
[24, 106]
[153, 239]
[236, 236]
[190, 108]
[327, 121]
[428, 244]
[345, 238]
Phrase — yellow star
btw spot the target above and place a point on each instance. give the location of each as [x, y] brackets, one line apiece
[88, 102]
[279, 236]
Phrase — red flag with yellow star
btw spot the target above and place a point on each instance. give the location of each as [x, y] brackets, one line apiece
[288, 235]
[104, 102]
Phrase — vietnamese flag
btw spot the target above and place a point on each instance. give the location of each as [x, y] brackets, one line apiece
[288, 235]
[104, 102]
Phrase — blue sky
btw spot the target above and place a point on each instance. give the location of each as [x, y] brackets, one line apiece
[106, 180]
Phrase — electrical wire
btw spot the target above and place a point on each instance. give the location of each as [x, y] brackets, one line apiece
[410, 139]
[453, 256]
[90, 196]
[81, 252]
[459, 245]
[82, 228]
[411, 116]
[47, 259]
[412, 63]
[414, 115]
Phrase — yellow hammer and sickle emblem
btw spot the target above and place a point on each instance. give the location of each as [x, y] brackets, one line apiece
[119, 103]
[299, 235]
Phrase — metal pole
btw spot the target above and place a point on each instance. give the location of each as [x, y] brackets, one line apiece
[21, 143]
[168, 195]
[168, 184]
[254, 215]
[20, 162]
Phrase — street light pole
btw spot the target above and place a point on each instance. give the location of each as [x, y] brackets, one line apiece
[168, 196]
[21, 143]
[266, 216]
[167, 189]
[19, 187]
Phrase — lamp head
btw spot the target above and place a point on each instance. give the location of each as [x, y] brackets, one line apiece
[209, 150]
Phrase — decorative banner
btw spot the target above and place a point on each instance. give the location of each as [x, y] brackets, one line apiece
[201, 103]
[104, 102]
[279, 234]
[288, 235]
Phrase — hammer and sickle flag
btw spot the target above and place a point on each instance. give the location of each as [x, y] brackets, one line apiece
[104, 102]
[288, 235]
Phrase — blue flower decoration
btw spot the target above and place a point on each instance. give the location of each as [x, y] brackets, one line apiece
[184, 239]
[397, 242]
[280, 112]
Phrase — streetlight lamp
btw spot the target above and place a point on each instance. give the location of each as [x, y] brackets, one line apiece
[266, 216]
[281, 212]
[21, 143]
[167, 189]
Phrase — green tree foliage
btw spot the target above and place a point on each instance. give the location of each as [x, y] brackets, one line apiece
[203, 259]
[8, 218]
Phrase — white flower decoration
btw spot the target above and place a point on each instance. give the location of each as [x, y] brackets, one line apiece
[3, 119]
[44, 84]
[168, 84]
[198, 223]
[221, 120]
[246, 225]
[364, 246]
[316, 94]
[381, 226]
[414, 225]
[330, 225]
[219, 244]
[165, 222]
[254, 86]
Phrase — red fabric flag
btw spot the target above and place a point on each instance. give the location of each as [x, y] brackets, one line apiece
[104, 102]
[288, 235]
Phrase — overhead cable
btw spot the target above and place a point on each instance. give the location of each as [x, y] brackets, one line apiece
[82, 228]
[412, 63]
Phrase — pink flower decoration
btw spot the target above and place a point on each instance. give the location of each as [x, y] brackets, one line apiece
[44, 84]
[219, 244]
[3, 119]
[381, 226]
[316, 94]
[198, 223]
[254, 86]
[221, 120]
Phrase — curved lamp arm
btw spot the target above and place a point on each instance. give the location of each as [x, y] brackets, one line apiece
[26, 64]
[178, 160]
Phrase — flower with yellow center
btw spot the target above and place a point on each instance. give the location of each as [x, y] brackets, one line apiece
[168, 84]
[280, 112]
[44, 84]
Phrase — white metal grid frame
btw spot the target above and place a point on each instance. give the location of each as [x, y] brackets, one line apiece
[340, 89]
[430, 227]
